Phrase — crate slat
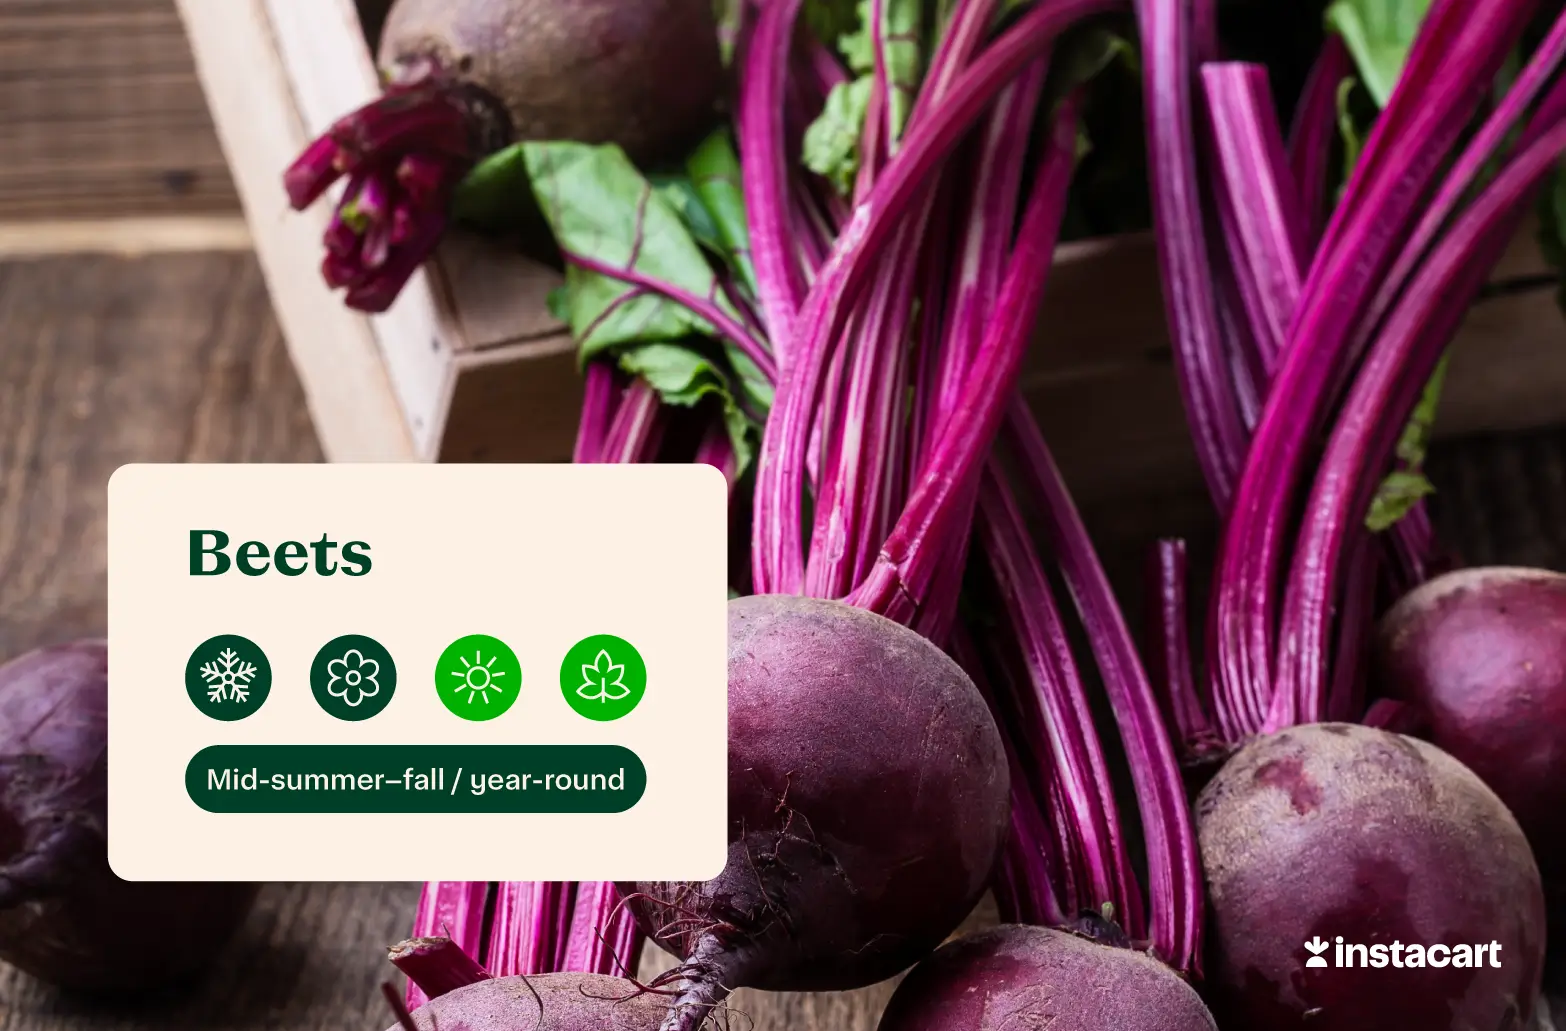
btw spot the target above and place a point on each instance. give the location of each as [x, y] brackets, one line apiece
[351, 402]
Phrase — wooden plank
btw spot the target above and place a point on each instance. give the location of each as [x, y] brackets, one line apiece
[175, 358]
[515, 404]
[357, 414]
[125, 237]
[110, 361]
[101, 114]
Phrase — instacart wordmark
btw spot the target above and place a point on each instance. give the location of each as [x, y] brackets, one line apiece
[1413, 956]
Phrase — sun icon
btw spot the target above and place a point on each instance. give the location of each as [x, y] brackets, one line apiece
[479, 677]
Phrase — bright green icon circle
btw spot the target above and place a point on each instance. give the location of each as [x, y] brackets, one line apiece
[353, 677]
[603, 677]
[478, 677]
[228, 677]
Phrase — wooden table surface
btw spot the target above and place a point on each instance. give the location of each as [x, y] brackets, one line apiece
[105, 361]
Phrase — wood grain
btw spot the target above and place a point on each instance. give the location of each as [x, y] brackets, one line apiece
[108, 361]
[101, 114]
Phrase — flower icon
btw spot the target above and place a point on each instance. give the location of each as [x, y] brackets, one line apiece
[353, 678]
[603, 679]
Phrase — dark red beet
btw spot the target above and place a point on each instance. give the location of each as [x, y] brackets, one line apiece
[1012, 977]
[868, 800]
[467, 77]
[1481, 654]
[1331, 830]
[543, 1002]
[64, 916]
[645, 74]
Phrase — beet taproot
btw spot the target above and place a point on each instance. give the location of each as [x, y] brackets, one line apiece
[868, 801]
[1329, 831]
[1032, 977]
[64, 916]
[1480, 654]
[465, 78]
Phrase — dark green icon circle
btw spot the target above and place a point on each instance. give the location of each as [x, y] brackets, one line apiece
[478, 677]
[603, 677]
[228, 677]
[353, 677]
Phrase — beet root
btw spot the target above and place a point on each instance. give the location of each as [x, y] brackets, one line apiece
[464, 78]
[645, 74]
[64, 916]
[1481, 655]
[1334, 832]
[1032, 977]
[868, 800]
[543, 1002]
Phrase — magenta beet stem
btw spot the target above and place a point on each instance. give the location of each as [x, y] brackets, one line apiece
[377, 288]
[406, 153]
[451, 909]
[603, 938]
[436, 965]
[314, 171]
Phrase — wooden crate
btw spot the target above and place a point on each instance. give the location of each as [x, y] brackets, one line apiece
[469, 366]
[101, 114]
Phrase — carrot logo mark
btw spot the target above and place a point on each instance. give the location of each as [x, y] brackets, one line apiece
[1316, 946]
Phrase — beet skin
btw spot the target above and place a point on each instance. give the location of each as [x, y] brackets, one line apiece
[543, 1002]
[645, 74]
[1014, 977]
[64, 916]
[868, 799]
[1331, 830]
[1481, 655]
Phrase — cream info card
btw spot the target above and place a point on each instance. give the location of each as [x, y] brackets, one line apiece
[417, 672]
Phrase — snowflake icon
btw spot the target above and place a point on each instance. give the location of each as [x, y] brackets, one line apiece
[228, 677]
[603, 679]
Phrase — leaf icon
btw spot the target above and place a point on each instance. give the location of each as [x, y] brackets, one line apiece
[603, 679]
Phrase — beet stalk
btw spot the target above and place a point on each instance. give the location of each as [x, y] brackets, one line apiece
[1330, 833]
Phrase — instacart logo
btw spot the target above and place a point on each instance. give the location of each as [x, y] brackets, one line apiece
[1347, 956]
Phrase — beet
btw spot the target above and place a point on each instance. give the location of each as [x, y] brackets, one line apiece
[645, 74]
[1481, 655]
[64, 916]
[1328, 830]
[868, 800]
[543, 1002]
[1014, 976]
[464, 78]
